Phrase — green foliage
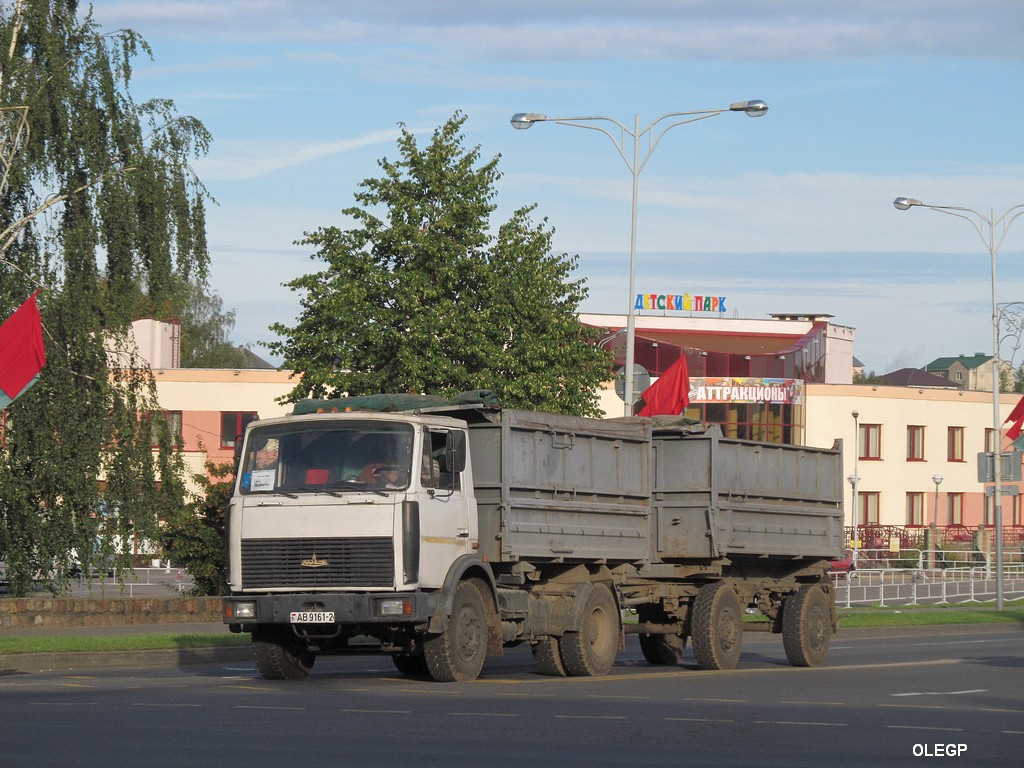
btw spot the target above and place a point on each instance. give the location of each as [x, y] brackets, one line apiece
[195, 538]
[205, 331]
[419, 296]
[94, 185]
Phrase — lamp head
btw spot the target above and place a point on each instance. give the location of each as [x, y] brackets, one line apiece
[524, 120]
[755, 108]
[937, 479]
[904, 203]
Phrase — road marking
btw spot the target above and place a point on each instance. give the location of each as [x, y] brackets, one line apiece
[482, 714]
[816, 703]
[718, 701]
[801, 722]
[377, 711]
[940, 693]
[590, 717]
[167, 705]
[921, 728]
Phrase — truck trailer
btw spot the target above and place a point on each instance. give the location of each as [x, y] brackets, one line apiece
[442, 531]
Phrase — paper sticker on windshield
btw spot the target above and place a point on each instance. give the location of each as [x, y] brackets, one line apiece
[264, 479]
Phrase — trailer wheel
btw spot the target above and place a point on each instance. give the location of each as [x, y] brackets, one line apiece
[548, 657]
[660, 649]
[277, 659]
[411, 664]
[457, 653]
[591, 651]
[717, 627]
[806, 626]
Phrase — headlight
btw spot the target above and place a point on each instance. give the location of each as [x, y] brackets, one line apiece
[396, 607]
[240, 610]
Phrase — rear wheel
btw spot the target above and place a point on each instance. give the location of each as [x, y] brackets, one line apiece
[660, 649]
[411, 664]
[717, 627]
[457, 653]
[278, 659]
[807, 626]
[548, 657]
[591, 651]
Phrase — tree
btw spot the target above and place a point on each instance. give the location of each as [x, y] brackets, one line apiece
[195, 537]
[206, 329]
[421, 297]
[123, 213]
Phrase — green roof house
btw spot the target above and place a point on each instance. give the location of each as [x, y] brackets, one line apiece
[967, 371]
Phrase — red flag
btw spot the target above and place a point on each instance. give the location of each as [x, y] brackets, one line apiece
[670, 394]
[1017, 417]
[22, 356]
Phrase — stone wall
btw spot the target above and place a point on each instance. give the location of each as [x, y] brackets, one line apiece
[18, 613]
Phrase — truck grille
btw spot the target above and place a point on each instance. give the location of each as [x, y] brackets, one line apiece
[366, 562]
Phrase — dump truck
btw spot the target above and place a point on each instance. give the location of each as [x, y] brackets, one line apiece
[441, 532]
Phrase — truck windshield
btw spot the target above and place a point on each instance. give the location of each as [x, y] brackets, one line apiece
[331, 457]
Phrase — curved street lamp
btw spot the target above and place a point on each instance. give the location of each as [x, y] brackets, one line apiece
[635, 163]
[992, 232]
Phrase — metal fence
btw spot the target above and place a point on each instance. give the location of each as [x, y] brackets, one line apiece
[138, 582]
[906, 577]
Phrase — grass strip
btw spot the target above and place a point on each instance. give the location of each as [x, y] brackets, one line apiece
[903, 616]
[91, 644]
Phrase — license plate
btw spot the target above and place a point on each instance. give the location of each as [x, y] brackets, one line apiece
[311, 617]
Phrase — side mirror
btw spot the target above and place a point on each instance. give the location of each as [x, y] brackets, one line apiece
[455, 451]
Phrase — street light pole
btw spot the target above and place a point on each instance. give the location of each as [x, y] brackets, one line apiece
[937, 479]
[855, 477]
[633, 160]
[992, 232]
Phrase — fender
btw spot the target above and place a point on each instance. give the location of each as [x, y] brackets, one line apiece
[470, 566]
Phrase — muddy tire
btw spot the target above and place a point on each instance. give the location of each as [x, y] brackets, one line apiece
[548, 657]
[591, 651]
[660, 649]
[717, 630]
[807, 626]
[278, 660]
[457, 653]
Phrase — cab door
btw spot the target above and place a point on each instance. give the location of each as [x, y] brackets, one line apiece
[444, 508]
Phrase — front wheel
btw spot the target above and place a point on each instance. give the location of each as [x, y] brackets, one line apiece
[591, 651]
[276, 659]
[457, 653]
[807, 626]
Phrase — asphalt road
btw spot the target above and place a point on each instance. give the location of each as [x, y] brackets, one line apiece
[882, 700]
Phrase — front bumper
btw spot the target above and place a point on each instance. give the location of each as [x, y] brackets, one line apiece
[244, 613]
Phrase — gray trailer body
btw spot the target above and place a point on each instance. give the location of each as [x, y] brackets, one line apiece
[565, 489]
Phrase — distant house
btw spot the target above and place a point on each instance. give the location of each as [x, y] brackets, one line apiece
[972, 372]
[915, 377]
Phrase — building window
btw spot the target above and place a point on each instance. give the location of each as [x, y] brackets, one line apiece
[232, 425]
[959, 375]
[867, 512]
[915, 508]
[1015, 519]
[915, 443]
[955, 444]
[870, 441]
[990, 441]
[173, 421]
[955, 509]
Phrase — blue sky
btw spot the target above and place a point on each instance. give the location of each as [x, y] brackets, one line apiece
[791, 212]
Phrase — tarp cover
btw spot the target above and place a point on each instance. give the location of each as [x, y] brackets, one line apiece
[395, 402]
